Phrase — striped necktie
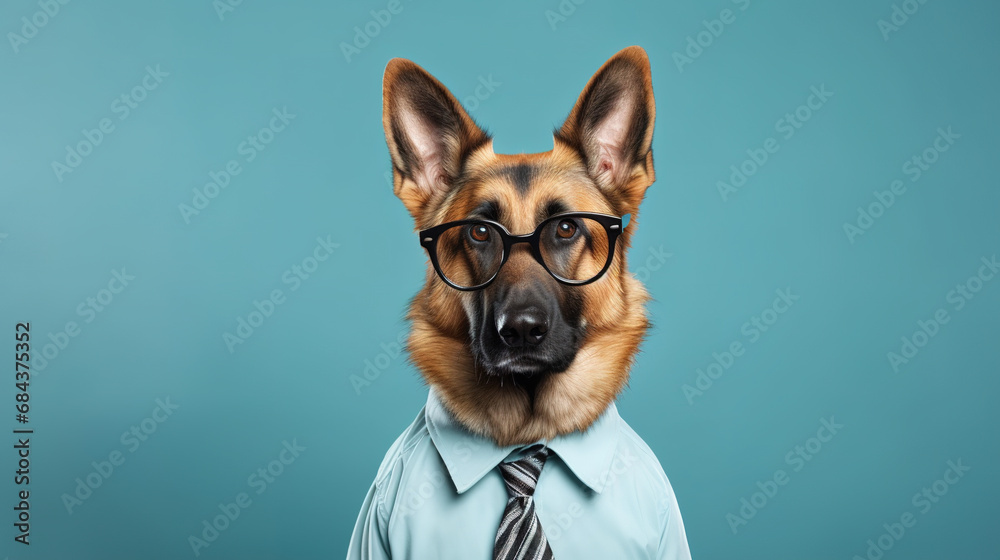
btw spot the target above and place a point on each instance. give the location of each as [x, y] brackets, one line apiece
[520, 535]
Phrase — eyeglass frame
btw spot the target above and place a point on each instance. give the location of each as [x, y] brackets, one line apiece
[613, 227]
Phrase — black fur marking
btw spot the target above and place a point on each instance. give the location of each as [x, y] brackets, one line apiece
[572, 311]
[487, 210]
[551, 209]
[521, 175]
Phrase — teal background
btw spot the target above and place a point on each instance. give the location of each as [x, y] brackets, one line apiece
[162, 336]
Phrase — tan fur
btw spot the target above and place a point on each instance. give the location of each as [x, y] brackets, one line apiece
[613, 309]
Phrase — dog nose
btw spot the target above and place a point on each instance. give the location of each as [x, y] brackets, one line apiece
[523, 327]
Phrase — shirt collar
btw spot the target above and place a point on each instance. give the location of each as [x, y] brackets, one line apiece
[469, 457]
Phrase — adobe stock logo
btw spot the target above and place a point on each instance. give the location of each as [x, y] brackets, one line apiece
[484, 89]
[364, 34]
[380, 363]
[415, 498]
[620, 465]
[787, 126]
[31, 26]
[795, 458]
[260, 480]
[925, 500]
[655, 261]
[566, 8]
[417, 495]
[753, 330]
[132, 438]
[123, 105]
[958, 297]
[914, 168]
[223, 7]
[250, 149]
[89, 308]
[293, 276]
[899, 16]
[698, 43]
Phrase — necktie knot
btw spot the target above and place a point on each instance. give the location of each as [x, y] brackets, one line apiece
[521, 476]
[520, 535]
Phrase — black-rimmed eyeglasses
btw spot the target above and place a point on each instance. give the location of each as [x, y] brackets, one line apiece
[576, 248]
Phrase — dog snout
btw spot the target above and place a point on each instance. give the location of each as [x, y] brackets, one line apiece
[524, 326]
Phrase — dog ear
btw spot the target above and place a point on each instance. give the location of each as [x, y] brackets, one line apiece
[428, 132]
[611, 126]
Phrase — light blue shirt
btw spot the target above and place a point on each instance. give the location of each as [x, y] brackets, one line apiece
[439, 496]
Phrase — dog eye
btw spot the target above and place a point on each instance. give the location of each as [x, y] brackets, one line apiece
[566, 229]
[479, 232]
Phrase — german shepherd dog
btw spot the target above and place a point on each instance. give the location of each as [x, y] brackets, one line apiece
[525, 338]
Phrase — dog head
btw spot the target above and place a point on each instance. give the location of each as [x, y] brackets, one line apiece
[529, 355]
